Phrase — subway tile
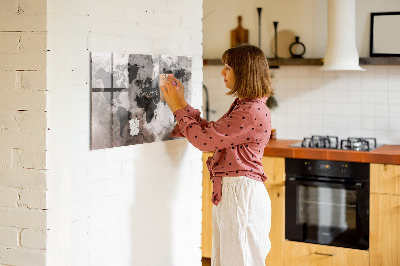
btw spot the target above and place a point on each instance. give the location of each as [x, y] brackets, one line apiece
[342, 96]
[367, 96]
[317, 107]
[342, 133]
[394, 97]
[394, 71]
[292, 82]
[304, 72]
[355, 96]
[394, 137]
[381, 84]
[303, 82]
[367, 133]
[317, 131]
[381, 123]
[329, 109]
[394, 123]
[291, 71]
[355, 109]
[380, 71]
[355, 122]
[342, 122]
[316, 83]
[316, 72]
[381, 97]
[367, 122]
[382, 136]
[367, 110]
[342, 109]
[328, 74]
[355, 132]
[367, 82]
[317, 95]
[329, 122]
[354, 80]
[329, 94]
[317, 120]
[381, 110]
[394, 110]
[342, 80]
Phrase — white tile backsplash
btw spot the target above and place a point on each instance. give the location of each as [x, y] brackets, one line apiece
[343, 103]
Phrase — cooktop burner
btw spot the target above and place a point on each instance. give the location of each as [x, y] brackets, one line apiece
[332, 142]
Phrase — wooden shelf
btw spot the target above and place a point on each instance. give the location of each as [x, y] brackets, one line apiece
[273, 63]
[380, 61]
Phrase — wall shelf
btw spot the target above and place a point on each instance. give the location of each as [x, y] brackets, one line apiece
[380, 61]
[274, 63]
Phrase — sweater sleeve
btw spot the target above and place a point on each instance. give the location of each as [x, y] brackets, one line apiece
[193, 113]
[229, 131]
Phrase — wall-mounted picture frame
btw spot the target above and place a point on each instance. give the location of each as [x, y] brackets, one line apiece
[384, 35]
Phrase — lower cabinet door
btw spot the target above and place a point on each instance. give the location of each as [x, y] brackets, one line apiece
[206, 232]
[384, 226]
[298, 254]
[277, 233]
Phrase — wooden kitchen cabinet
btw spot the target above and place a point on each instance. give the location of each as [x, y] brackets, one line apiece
[305, 254]
[277, 233]
[385, 215]
[206, 225]
[384, 236]
[385, 178]
[274, 168]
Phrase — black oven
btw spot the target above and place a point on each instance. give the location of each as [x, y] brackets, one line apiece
[327, 202]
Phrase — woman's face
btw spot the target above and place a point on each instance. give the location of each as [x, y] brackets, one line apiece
[229, 76]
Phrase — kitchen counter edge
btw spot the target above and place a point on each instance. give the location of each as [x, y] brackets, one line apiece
[386, 154]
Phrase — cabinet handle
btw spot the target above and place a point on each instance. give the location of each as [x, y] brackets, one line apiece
[324, 254]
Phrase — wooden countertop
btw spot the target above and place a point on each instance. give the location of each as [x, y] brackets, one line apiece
[389, 154]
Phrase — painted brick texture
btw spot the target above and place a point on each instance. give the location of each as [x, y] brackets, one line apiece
[134, 205]
[23, 132]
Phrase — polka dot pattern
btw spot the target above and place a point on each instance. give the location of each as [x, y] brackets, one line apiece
[238, 139]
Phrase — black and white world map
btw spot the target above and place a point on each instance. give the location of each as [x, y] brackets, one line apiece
[127, 106]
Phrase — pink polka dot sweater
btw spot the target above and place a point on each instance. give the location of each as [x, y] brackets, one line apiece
[238, 139]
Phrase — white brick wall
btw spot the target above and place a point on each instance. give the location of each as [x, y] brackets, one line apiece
[134, 205]
[23, 132]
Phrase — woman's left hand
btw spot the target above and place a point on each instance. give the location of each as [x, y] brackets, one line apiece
[171, 96]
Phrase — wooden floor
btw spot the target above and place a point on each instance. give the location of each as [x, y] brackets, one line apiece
[206, 261]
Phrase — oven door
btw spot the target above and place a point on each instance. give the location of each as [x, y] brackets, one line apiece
[327, 213]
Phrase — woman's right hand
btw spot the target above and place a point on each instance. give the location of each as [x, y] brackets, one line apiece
[181, 91]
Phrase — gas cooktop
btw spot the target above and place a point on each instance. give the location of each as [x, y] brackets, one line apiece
[332, 142]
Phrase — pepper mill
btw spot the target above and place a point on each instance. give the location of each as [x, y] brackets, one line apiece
[276, 38]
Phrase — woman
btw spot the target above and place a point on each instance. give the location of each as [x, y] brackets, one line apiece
[242, 208]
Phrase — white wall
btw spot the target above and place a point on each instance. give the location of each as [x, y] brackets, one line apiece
[344, 103]
[134, 205]
[306, 19]
[23, 133]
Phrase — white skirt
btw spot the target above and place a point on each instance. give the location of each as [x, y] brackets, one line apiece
[241, 223]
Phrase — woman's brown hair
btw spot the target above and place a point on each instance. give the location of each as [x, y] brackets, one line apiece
[250, 66]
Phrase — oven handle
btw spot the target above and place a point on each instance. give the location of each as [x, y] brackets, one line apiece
[357, 185]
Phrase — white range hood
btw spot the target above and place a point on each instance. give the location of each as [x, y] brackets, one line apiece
[341, 51]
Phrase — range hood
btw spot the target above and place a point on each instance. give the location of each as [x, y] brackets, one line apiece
[341, 51]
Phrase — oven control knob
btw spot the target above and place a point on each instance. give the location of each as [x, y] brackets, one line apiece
[308, 166]
[343, 168]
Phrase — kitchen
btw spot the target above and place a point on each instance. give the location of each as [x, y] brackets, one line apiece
[113, 206]
[313, 104]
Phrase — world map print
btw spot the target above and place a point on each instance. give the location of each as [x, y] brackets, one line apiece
[127, 105]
